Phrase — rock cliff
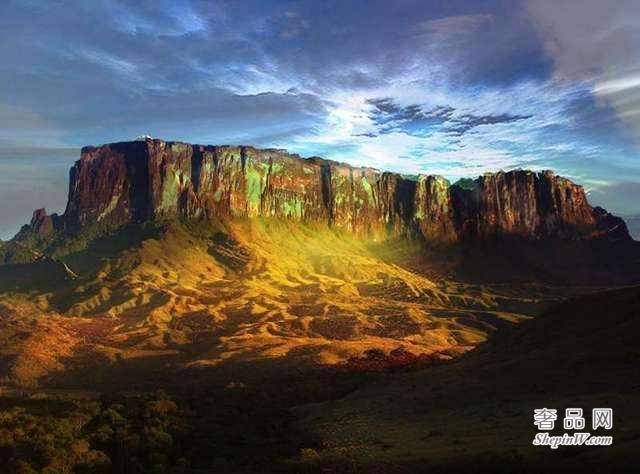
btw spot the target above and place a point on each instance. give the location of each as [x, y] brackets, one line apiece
[118, 183]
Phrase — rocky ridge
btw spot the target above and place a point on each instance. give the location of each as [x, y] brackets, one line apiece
[125, 182]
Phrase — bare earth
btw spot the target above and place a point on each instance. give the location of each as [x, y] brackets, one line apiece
[199, 296]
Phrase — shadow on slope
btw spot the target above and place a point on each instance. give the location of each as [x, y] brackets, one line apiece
[596, 262]
[476, 413]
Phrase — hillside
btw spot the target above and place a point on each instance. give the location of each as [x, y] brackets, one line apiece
[477, 413]
[202, 295]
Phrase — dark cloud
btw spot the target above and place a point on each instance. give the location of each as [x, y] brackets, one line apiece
[441, 111]
[388, 116]
[464, 123]
[412, 119]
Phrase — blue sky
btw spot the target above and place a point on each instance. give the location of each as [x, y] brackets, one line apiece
[455, 88]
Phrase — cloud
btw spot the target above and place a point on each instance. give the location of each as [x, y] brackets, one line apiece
[618, 194]
[105, 69]
[469, 121]
[388, 117]
[456, 24]
[422, 127]
[21, 126]
[457, 88]
[615, 86]
[598, 43]
[293, 25]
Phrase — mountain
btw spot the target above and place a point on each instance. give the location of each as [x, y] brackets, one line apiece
[134, 181]
[151, 301]
[246, 282]
[530, 214]
[173, 257]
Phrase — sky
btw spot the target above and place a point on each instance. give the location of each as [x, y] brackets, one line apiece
[456, 88]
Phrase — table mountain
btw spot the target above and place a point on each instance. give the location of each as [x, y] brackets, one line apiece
[173, 257]
[119, 183]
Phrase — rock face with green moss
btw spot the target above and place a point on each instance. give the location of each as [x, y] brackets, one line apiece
[119, 183]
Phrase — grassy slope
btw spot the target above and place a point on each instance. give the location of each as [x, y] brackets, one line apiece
[476, 413]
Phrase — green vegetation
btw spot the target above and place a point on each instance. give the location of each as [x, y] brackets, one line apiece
[467, 183]
[255, 183]
[367, 188]
[293, 208]
[230, 427]
[475, 413]
[57, 435]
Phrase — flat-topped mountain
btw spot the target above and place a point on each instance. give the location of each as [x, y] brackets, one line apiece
[125, 182]
[173, 257]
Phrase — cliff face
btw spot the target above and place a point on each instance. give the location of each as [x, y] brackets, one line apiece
[524, 203]
[132, 181]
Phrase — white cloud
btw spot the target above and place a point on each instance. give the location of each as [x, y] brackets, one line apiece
[457, 24]
[615, 86]
[350, 134]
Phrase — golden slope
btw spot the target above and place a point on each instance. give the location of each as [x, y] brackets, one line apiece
[199, 295]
